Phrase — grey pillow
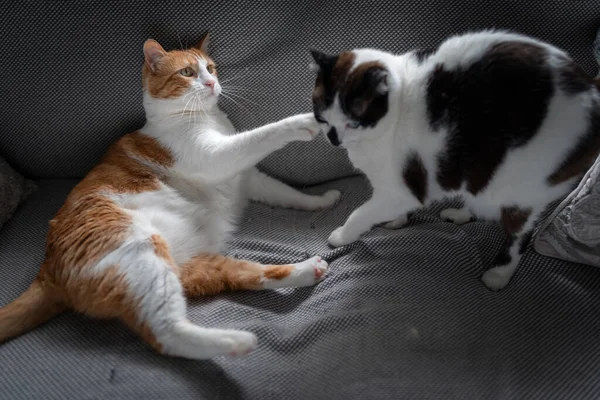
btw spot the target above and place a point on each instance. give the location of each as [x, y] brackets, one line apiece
[572, 232]
[14, 189]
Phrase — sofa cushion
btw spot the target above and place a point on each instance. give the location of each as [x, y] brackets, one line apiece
[403, 314]
[572, 232]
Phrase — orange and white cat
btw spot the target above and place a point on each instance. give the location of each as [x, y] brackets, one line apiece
[145, 227]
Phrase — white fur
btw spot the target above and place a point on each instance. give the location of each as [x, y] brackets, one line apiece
[458, 216]
[197, 208]
[380, 151]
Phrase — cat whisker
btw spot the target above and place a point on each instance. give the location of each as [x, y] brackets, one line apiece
[235, 102]
[239, 88]
[235, 77]
[243, 98]
[185, 107]
[179, 38]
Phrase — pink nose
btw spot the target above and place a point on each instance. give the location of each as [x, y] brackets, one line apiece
[210, 84]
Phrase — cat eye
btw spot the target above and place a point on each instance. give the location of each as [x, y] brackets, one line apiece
[210, 69]
[187, 72]
[353, 124]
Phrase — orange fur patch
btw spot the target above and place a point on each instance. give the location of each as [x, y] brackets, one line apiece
[213, 273]
[278, 272]
[161, 249]
[90, 224]
[39, 303]
[108, 296]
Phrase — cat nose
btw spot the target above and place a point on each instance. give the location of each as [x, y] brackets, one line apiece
[210, 84]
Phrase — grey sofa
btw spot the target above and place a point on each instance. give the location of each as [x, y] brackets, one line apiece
[403, 314]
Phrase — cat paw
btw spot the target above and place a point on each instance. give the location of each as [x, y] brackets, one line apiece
[310, 272]
[329, 198]
[303, 126]
[339, 238]
[458, 216]
[240, 343]
[397, 223]
[496, 278]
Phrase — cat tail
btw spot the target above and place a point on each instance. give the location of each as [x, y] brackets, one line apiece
[32, 308]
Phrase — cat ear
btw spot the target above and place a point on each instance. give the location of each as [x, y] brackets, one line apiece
[380, 77]
[203, 43]
[323, 60]
[153, 52]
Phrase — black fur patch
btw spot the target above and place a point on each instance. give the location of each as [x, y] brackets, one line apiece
[572, 79]
[504, 257]
[333, 71]
[423, 54]
[513, 219]
[497, 103]
[581, 157]
[333, 137]
[359, 97]
[525, 240]
[415, 176]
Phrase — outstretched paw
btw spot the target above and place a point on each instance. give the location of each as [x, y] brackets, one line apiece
[304, 126]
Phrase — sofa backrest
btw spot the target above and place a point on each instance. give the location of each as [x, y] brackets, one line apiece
[70, 71]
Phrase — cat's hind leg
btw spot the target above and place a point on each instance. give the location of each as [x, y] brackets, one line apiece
[139, 284]
[263, 188]
[213, 273]
[517, 224]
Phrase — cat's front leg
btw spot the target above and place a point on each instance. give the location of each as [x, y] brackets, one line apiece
[380, 208]
[218, 157]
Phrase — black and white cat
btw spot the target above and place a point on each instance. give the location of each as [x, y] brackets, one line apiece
[505, 121]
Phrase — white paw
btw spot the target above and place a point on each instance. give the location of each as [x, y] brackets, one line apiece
[239, 343]
[309, 272]
[456, 215]
[303, 126]
[496, 278]
[397, 223]
[339, 238]
[328, 199]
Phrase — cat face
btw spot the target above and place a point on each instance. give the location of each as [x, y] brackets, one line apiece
[185, 77]
[350, 93]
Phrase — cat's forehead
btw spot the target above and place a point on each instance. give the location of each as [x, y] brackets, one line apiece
[182, 58]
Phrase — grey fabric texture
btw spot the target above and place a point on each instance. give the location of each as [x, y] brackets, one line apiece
[572, 232]
[403, 314]
[73, 84]
[14, 189]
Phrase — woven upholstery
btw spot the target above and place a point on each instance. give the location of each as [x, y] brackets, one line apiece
[403, 314]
